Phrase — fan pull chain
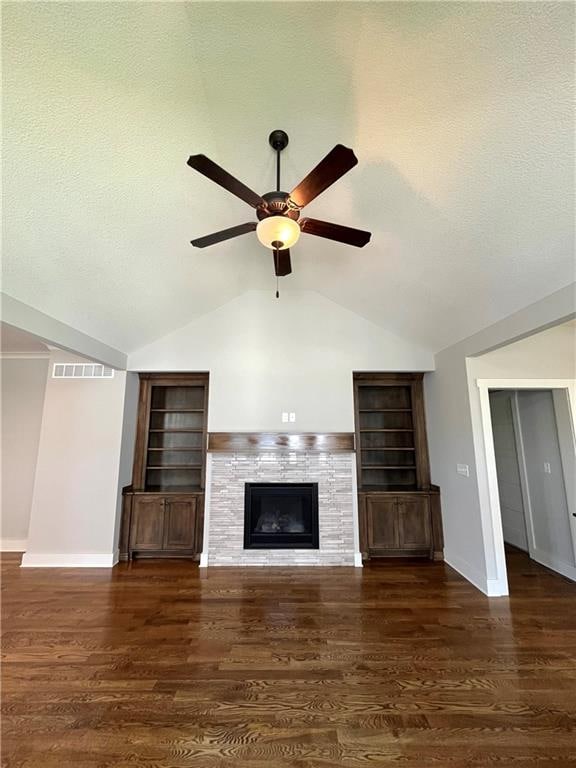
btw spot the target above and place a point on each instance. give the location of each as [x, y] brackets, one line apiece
[276, 262]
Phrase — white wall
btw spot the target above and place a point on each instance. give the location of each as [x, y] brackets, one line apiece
[23, 385]
[455, 432]
[268, 355]
[74, 505]
[129, 421]
[509, 483]
[548, 508]
[550, 354]
[566, 423]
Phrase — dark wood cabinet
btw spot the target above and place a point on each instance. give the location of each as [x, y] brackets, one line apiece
[397, 525]
[414, 528]
[163, 510]
[381, 523]
[397, 514]
[164, 525]
[180, 522]
[147, 524]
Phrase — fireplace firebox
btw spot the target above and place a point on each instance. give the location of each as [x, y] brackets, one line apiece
[281, 516]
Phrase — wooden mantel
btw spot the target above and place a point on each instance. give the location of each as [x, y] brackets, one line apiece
[231, 442]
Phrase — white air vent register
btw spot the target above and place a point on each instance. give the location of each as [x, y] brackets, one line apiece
[82, 371]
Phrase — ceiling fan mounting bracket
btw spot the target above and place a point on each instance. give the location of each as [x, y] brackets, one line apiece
[276, 205]
[278, 140]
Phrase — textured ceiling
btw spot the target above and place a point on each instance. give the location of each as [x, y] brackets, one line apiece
[460, 115]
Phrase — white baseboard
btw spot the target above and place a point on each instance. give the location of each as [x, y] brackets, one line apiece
[554, 563]
[496, 588]
[490, 587]
[358, 560]
[203, 560]
[69, 560]
[13, 545]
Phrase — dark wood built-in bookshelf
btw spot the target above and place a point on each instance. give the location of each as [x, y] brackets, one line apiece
[164, 506]
[398, 506]
[390, 432]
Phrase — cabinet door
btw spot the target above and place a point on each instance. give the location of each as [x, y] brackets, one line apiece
[147, 525]
[414, 530]
[381, 522]
[180, 525]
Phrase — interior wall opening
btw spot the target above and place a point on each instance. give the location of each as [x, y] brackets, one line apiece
[534, 457]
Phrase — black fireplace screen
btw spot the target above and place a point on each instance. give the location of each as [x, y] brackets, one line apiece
[281, 516]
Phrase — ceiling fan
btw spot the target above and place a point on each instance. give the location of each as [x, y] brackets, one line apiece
[278, 213]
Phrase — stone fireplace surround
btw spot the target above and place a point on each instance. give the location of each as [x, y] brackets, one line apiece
[288, 459]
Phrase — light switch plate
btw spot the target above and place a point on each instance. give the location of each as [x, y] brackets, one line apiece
[292, 417]
[547, 468]
[284, 417]
[463, 469]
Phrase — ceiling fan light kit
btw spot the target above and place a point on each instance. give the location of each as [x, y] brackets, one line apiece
[278, 232]
[279, 225]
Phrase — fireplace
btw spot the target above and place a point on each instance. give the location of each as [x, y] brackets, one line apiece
[281, 516]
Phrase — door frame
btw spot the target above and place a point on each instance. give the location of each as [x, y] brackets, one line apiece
[492, 516]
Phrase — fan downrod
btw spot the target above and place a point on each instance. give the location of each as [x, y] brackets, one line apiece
[278, 140]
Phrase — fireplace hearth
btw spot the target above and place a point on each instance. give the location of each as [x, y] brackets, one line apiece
[281, 516]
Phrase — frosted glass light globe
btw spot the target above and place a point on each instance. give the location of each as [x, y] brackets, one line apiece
[278, 229]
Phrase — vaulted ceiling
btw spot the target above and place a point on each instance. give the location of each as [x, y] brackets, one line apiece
[460, 115]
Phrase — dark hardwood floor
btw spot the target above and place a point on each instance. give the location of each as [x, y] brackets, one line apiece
[162, 665]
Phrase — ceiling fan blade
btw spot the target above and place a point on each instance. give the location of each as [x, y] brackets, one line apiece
[347, 235]
[208, 168]
[282, 264]
[224, 234]
[336, 163]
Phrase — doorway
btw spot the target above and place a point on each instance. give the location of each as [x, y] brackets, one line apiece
[532, 436]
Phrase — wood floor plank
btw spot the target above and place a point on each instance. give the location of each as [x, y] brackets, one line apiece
[157, 664]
